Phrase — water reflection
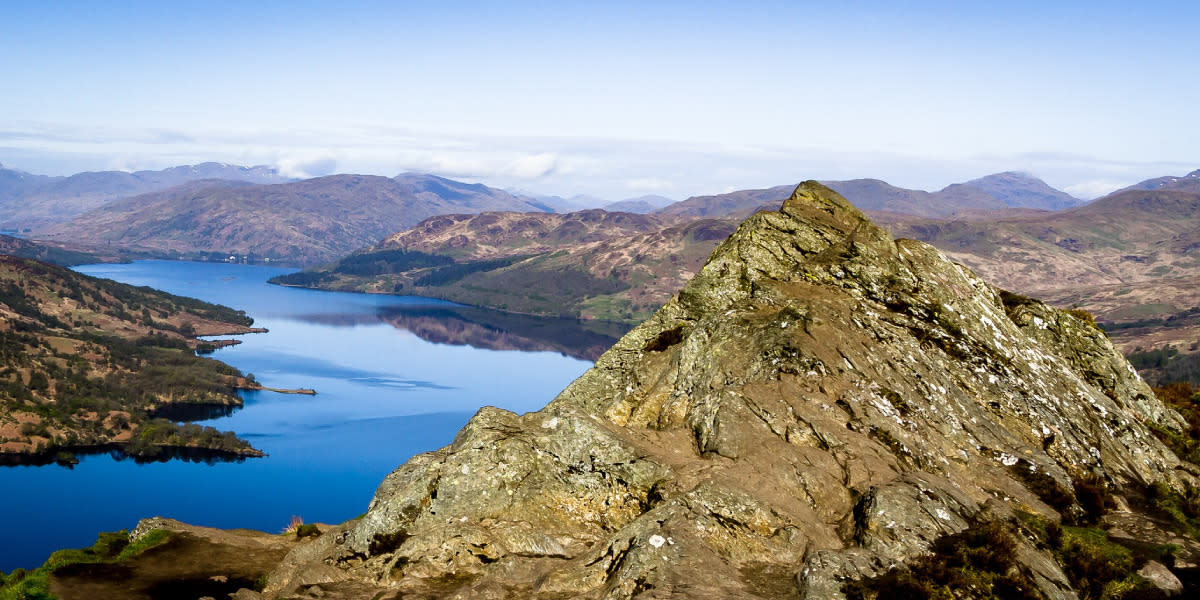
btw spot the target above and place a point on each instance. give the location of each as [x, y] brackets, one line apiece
[181, 412]
[69, 456]
[495, 330]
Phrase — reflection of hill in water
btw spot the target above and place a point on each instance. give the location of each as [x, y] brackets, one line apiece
[494, 330]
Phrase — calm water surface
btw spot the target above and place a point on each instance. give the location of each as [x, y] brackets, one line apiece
[383, 395]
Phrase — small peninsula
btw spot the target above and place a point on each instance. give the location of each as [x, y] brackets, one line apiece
[86, 364]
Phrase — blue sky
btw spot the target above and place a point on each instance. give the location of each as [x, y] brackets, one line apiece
[612, 99]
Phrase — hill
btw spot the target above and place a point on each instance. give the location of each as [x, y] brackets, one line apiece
[821, 412]
[303, 223]
[46, 253]
[85, 363]
[590, 264]
[34, 201]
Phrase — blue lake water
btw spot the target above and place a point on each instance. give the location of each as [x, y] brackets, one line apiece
[395, 376]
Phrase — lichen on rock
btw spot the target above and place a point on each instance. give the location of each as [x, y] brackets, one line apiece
[819, 404]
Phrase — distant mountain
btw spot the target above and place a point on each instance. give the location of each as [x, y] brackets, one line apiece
[304, 222]
[563, 205]
[1022, 190]
[1187, 183]
[35, 201]
[475, 197]
[15, 184]
[641, 204]
[873, 195]
[994, 192]
[732, 203]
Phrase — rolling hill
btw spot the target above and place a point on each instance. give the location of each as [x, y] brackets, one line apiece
[303, 223]
[592, 264]
[23, 248]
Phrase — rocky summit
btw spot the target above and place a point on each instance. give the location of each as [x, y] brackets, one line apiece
[820, 406]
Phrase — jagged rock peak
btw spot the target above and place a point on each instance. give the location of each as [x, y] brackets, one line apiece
[819, 403]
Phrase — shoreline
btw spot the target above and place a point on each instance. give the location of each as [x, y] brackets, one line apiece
[255, 387]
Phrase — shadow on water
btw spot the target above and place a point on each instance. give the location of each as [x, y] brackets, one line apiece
[186, 413]
[68, 456]
[496, 330]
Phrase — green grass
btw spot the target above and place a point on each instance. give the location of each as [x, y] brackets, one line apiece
[110, 547]
[148, 541]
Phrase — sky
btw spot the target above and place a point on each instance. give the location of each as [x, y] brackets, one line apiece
[609, 99]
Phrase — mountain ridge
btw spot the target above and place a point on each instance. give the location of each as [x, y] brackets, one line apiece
[989, 193]
[31, 201]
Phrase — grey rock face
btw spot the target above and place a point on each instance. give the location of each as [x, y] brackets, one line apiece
[819, 404]
[1162, 578]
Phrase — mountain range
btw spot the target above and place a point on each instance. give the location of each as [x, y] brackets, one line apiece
[304, 222]
[1130, 257]
[1008, 190]
[229, 211]
[30, 201]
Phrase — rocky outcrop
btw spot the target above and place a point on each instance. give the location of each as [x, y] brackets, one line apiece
[821, 402]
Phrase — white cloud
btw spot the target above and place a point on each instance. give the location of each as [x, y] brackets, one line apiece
[305, 167]
[1089, 190]
[534, 166]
